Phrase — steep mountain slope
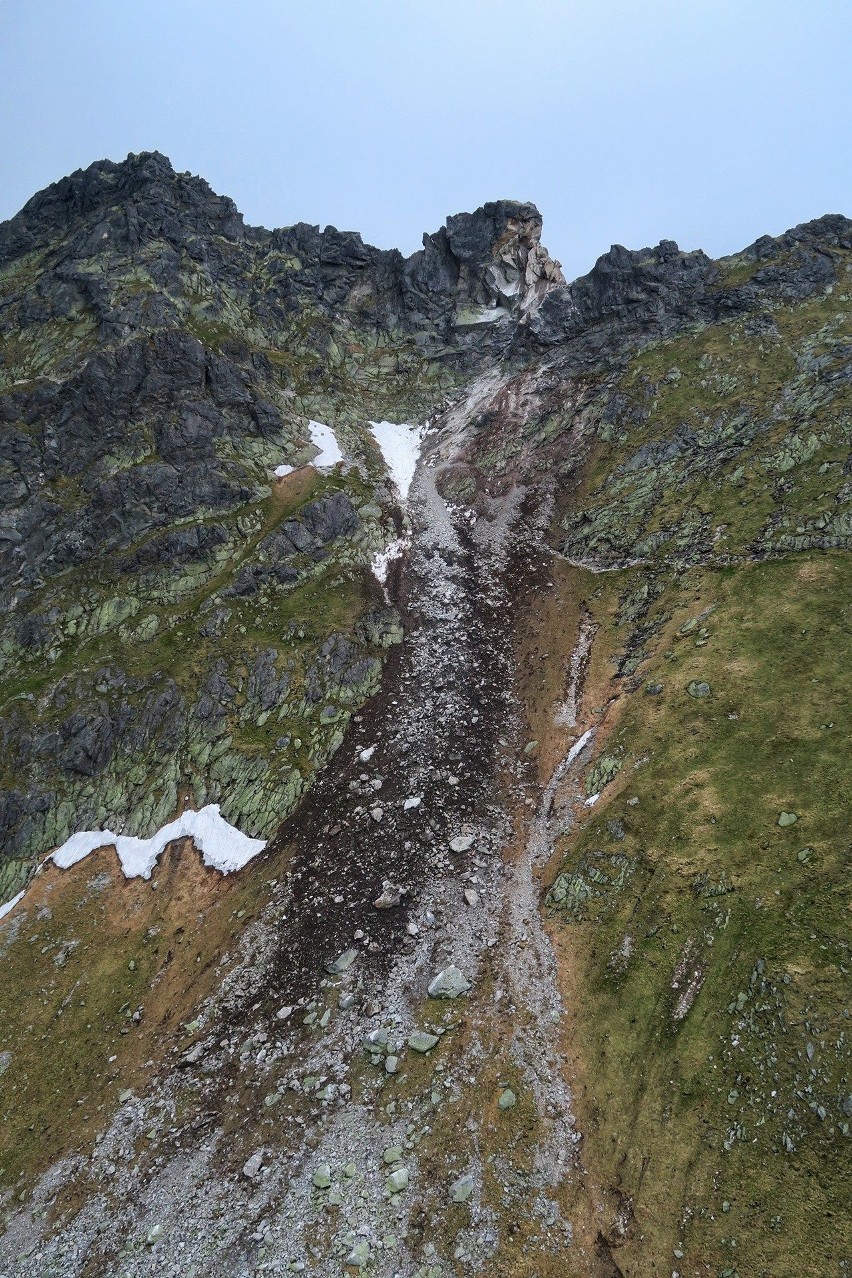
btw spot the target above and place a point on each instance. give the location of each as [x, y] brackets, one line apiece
[544, 966]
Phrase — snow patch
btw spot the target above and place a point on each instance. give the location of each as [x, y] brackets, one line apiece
[400, 445]
[578, 746]
[10, 905]
[281, 471]
[222, 846]
[324, 438]
[382, 561]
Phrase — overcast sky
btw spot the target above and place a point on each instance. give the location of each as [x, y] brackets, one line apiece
[627, 121]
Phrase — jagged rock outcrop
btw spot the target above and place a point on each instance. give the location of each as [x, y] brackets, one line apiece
[159, 360]
[481, 268]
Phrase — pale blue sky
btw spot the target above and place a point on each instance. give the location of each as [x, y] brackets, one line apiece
[705, 121]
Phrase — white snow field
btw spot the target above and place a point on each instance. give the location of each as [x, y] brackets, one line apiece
[383, 559]
[222, 846]
[324, 438]
[400, 446]
[10, 905]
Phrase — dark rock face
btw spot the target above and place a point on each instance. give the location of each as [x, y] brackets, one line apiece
[627, 293]
[117, 207]
[158, 361]
[653, 293]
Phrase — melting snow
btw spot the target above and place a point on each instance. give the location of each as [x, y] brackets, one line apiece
[281, 471]
[324, 438]
[400, 445]
[10, 905]
[580, 745]
[383, 560]
[222, 846]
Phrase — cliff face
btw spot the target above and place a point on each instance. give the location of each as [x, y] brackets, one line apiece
[160, 361]
[547, 746]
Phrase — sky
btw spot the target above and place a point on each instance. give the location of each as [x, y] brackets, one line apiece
[626, 121]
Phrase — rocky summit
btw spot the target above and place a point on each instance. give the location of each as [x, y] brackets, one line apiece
[424, 794]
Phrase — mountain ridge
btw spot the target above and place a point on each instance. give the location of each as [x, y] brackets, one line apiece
[542, 967]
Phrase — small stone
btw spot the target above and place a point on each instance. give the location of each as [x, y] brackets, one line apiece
[507, 1098]
[787, 818]
[391, 1064]
[377, 813]
[698, 689]
[398, 1180]
[471, 896]
[412, 802]
[345, 1002]
[125, 1096]
[154, 1233]
[253, 1165]
[422, 1042]
[449, 983]
[390, 897]
[366, 755]
[393, 1154]
[461, 1189]
[283, 1013]
[342, 963]
[321, 1178]
[461, 843]
[359, 1255]
[653, 689]
[804, 855]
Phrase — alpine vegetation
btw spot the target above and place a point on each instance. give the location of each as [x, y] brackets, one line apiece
[424, 795]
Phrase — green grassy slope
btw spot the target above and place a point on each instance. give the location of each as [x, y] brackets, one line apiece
[703, 902]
